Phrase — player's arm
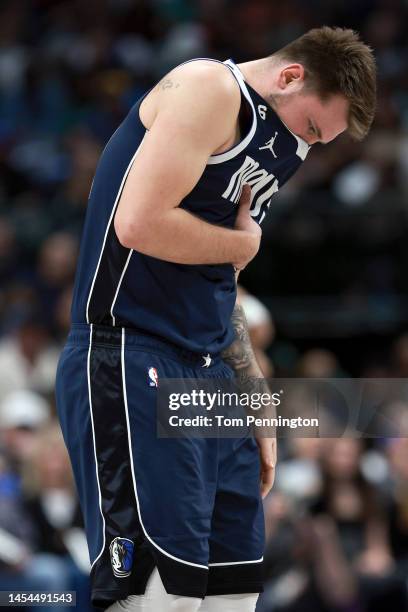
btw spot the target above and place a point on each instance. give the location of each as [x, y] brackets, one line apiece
[196, 114]
[241, 357]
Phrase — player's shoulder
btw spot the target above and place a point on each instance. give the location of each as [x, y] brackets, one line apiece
[218, 72]
[206, 80]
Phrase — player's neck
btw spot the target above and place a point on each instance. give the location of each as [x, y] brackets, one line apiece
[262, 76]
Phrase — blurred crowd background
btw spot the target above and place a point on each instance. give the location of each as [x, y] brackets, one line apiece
[330, 282]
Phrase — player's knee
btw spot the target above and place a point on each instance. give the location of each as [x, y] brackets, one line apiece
[185, 604]
[124, 605]
[247, 603]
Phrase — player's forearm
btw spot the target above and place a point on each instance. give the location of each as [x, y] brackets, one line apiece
[180, 237]
[240, 355]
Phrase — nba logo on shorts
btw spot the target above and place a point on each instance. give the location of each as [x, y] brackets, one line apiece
[121, 553]
[153, 377]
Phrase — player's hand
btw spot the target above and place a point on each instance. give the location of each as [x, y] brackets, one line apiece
[245, 222]
[267, 452]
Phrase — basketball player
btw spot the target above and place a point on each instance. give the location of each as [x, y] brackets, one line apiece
[175, 210]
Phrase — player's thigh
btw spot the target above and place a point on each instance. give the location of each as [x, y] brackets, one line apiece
[174, 479]
[74, 412]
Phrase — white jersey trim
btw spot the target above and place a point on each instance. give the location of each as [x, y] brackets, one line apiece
[118, 287]
[302, 146]
[222, 157]
[106, 235]
[235, 563]
[94, 445]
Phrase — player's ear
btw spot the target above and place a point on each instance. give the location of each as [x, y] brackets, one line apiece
[291, 76]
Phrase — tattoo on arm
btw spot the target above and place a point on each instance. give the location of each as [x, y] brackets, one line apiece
[241, 358]
[240, 355]
[168, 84]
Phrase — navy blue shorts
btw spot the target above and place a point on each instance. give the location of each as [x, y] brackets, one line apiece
[189, 506]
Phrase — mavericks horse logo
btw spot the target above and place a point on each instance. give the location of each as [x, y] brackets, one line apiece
[121, 553]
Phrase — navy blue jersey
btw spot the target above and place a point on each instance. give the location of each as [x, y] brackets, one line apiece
[187, 305]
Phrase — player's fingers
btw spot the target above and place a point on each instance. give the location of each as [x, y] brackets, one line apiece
[274, 450]
[245, 199]
[267, 452]
[267, 479]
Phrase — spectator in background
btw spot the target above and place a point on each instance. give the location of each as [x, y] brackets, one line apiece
[20, 569]
[68, 206]
[330, 544]
[28, 356]
[62, 313]
[55, 269]
[399, 357]
[318, 363]
[397, 501]
[25, 562]
[8, 252]
[352, 534]
[22, 414]
[51, 504]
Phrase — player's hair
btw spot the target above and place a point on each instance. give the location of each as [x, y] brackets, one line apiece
[336, 61]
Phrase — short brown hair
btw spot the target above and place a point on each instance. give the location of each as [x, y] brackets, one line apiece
[336, 61]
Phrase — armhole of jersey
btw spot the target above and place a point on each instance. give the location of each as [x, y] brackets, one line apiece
[222, 157]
